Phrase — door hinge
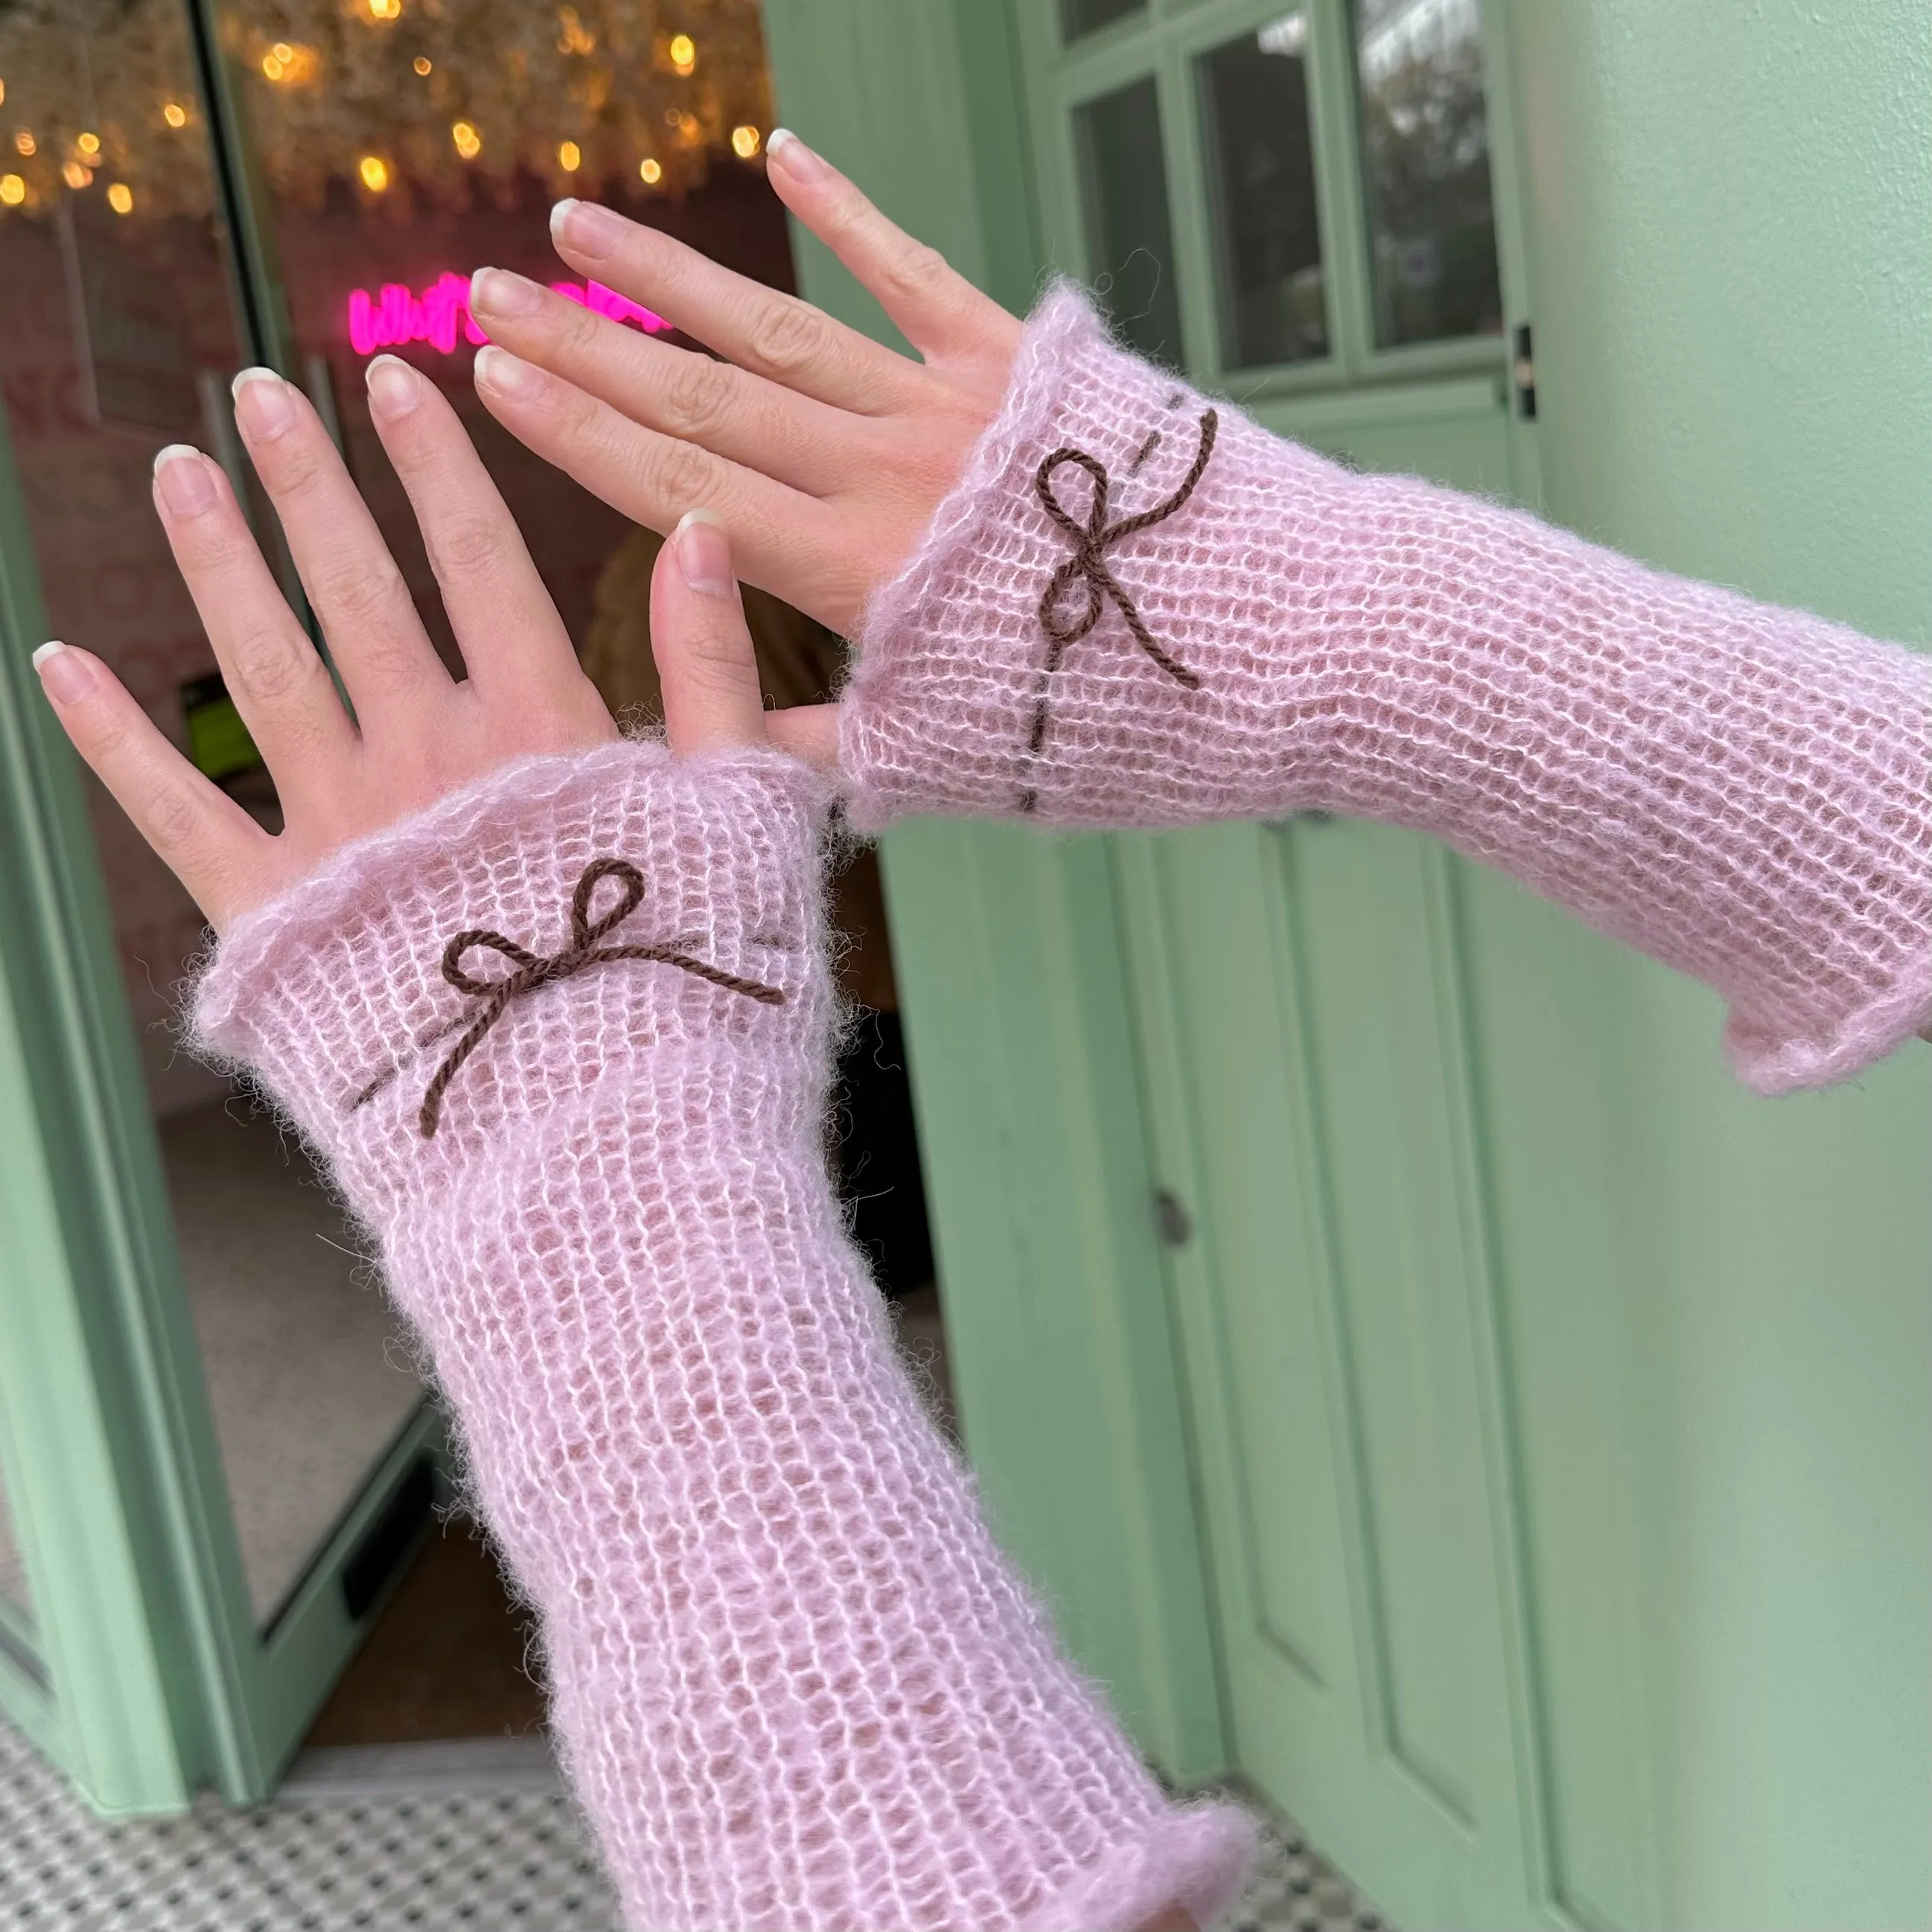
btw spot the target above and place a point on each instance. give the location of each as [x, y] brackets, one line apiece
[1523, 372]
[1172, 1220]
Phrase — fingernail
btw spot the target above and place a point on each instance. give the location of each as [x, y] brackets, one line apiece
[587, 228]
[791, 154]
[64, 675]
[499, 370]
[395, 387]
[503, 293]
[180, 474]
[264, 404]
[704, 554]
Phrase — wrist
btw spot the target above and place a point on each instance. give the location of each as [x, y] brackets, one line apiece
[336, 995]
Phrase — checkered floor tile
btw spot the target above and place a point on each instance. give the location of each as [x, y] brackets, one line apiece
[435, 1837]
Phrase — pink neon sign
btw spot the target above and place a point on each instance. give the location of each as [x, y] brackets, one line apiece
[393, 316]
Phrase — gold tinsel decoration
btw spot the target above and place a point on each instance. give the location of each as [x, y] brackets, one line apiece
[440, 100]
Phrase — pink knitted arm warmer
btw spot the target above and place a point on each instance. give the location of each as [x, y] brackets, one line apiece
[795, 1684]
[1744, 792]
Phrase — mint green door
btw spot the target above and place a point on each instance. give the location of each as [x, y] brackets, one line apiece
[1318, 240]
[1551, 1528]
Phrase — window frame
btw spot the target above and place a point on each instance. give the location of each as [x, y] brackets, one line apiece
[1166, 41]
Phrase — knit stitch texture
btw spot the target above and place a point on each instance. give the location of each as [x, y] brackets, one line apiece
[795, 1684]
[1743, 792]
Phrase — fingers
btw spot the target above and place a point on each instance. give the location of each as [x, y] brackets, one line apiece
[789, 544]
[771, 334]
[514, 643]
[936, 308]
[210, 843]
[706, 664]
[274, 673]
[809, 732]
[378, 642]
[793, 438]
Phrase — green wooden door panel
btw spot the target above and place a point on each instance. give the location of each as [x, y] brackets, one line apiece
[1456, 433]
[1030, 1131]
[1305, 1057]
[1546, 1041]
[1206, 919]
[1369, 924]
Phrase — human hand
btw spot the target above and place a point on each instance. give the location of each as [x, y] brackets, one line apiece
[418, 732]
[826, 453]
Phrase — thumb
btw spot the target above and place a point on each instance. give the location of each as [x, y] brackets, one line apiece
[706, 664]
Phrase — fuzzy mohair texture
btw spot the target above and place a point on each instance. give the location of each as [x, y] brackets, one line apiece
[795, 1683]
[1743, 792]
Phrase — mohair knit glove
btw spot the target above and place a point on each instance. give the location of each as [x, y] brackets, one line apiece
[795, 1684]
[1744, 792]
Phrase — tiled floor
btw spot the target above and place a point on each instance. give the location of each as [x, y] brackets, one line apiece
[439, 1838]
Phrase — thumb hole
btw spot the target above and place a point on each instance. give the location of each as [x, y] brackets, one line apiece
[706, 664]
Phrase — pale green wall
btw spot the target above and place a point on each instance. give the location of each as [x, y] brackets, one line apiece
[1730, 209]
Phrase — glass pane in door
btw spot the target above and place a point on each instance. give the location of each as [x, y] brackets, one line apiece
[118, 336]
[1084, 16]
[1260, 170]
[1129, 235]
[1426, 170]
[401, 149]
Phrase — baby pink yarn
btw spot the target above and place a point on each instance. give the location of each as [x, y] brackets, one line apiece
[1745, 793]
[795, 1684]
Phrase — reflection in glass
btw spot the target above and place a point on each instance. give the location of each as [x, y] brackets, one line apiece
[1260, 167]
[1129, 237]
[116, 337]
[1425, 169]
[1083, 16]
[468, 137]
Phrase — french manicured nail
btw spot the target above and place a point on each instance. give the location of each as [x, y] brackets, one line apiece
[499, 293]
[704, 554]
[588, 228]
[395, 387]
[263, 402]
[497, 369]
[791, 154]
[64, 675]
[180, 474]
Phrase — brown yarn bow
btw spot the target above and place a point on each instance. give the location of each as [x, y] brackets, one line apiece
[1088, 563]
[533, 970]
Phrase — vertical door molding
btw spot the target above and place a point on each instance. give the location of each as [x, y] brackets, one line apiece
[100, 1362]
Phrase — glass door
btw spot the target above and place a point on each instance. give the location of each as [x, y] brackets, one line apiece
[268, 1454]
[214, 1456]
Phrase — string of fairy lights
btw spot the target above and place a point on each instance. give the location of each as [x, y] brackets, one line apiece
[443, 100]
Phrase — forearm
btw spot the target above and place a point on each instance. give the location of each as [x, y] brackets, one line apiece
[795, 1684]
[1744, 792]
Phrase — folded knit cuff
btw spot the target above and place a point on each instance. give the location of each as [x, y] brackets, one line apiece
[334, 994]
[1198, 1858]
[925, 726]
